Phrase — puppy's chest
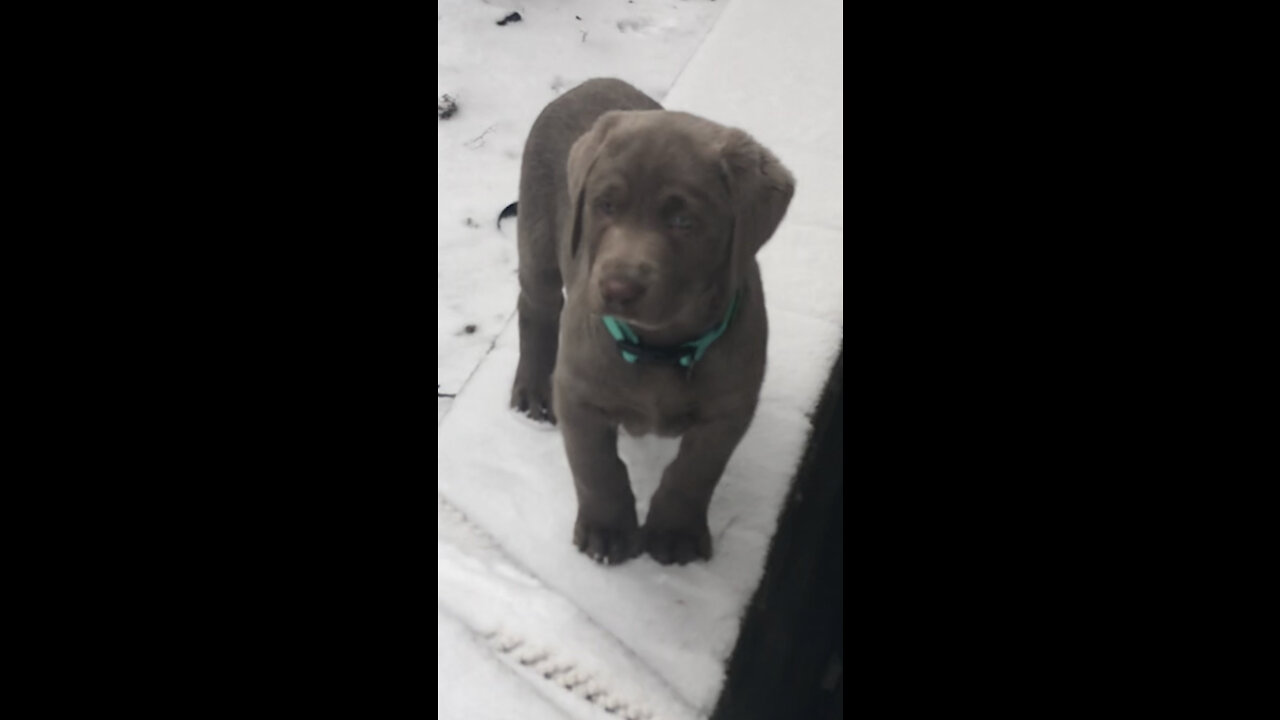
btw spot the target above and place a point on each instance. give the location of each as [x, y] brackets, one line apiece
[668, 413]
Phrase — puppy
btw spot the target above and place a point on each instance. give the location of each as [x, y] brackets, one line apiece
[640, 303]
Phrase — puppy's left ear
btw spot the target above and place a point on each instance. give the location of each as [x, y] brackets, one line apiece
[582, 156]
[760, 189]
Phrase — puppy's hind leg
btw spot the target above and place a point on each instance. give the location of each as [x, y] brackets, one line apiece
[538, 309]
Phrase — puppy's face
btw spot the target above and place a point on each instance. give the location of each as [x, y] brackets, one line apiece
[655, 221]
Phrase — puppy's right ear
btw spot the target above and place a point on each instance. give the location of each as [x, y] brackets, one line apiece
[582, 156]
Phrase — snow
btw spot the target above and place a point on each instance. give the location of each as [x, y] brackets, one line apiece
[529, 627]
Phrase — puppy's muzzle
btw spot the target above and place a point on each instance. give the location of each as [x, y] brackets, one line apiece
[620, 292]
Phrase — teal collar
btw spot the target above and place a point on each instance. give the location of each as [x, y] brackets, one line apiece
[683, 355]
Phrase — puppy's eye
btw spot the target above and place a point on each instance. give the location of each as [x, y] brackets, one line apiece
[605, 206]
[680, 221]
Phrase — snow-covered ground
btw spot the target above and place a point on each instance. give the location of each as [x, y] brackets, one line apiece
[528, 627]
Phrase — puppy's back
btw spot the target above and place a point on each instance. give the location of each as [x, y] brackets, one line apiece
[543, 181]
[567, 117]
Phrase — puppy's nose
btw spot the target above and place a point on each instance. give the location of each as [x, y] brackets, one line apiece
[620, 291]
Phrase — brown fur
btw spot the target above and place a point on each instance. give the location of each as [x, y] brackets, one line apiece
[654, 217]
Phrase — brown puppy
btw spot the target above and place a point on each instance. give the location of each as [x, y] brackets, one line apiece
[650, 221]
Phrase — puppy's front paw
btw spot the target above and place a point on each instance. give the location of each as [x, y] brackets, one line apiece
[606, 543]
[531, 394]
[677, 543]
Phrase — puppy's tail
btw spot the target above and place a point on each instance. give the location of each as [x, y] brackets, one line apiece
[508, 211]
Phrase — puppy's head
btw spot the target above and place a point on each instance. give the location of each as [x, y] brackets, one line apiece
[669, 210]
